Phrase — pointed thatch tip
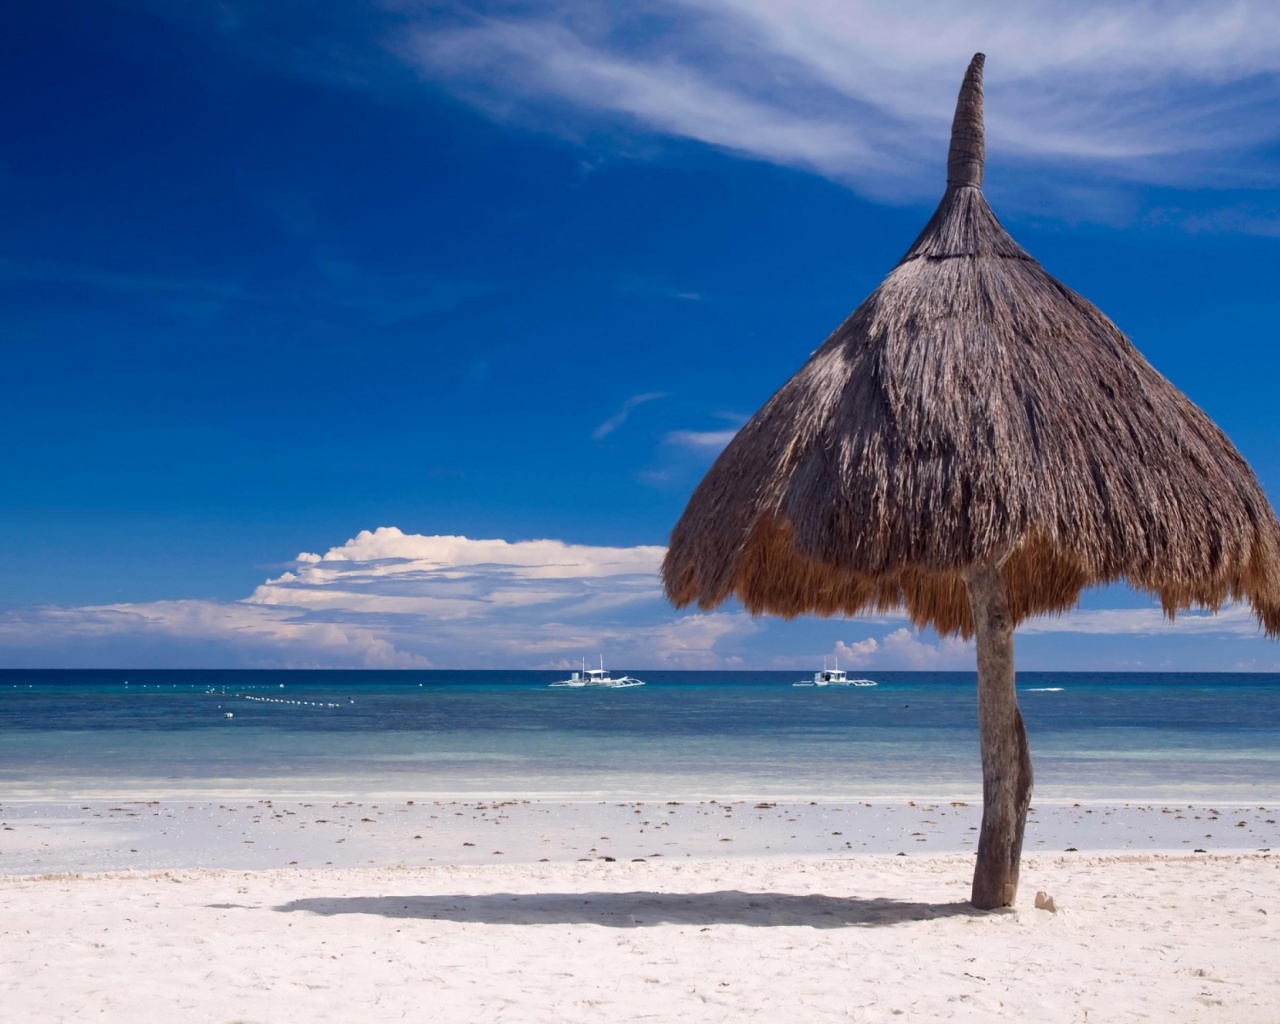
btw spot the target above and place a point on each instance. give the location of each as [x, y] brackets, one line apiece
[968, 148]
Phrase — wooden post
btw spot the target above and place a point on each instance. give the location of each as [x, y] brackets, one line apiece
[1006, 758]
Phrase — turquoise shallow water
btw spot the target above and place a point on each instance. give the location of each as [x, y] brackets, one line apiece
[1093, 736]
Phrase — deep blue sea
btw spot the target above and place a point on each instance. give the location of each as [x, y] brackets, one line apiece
[1093, 735]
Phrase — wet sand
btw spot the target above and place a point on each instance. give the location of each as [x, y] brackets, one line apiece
[260, 833]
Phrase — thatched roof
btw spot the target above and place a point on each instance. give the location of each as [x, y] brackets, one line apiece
[975, 409]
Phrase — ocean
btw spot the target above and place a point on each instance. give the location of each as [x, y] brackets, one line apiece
[1094, 736]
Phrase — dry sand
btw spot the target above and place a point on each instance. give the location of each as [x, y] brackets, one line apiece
[513, 910]
[866, 938]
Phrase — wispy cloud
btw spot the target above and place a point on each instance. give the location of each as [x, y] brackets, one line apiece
[862, 92]
[548, 59]
[620, 417]
[684, 454]
[1236, 620]
[701, 440]
[36, 271]
[1243, 218]
[347, 291]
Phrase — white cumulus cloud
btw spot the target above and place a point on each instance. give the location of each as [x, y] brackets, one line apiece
[904, 650]
[390, 599]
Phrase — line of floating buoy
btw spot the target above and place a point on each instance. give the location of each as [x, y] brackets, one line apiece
[281, 700]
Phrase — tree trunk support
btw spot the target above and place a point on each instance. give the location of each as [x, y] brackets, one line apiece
[1006, 758]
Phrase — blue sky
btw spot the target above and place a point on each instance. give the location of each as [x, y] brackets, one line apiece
[372, 334]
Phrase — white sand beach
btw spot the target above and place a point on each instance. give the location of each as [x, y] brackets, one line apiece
[559, 912]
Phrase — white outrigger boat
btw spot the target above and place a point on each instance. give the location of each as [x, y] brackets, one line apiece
[598, 677]
[833, 677]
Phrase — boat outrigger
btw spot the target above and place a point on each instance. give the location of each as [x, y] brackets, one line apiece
[597, 677]
[833, 677]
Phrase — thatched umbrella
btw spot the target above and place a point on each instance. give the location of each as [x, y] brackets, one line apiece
[976, 443]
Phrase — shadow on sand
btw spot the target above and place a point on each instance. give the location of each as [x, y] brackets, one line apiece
[641, 909]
